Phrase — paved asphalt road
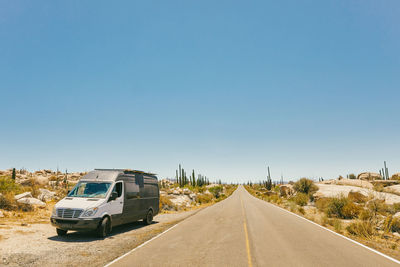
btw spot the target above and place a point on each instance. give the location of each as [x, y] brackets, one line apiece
[245, 231]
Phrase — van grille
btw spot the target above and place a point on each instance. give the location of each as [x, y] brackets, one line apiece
[69, 213]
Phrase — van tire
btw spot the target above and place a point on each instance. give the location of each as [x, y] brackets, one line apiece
[104, 228]
[149, 218]
[61, 232]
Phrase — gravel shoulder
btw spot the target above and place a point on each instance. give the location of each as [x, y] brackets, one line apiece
[39, 245]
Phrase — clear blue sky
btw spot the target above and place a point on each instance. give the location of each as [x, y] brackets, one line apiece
[311, 88]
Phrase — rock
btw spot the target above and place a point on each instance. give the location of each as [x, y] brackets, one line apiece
[186, 191]
[46, 195]
[23, 195]
[175, 192]
[369, 176]
[207, 192]
[286, 190]
[397, 215]
[31, 201]
[192, 197]
[163, 193]
[1, 214]
[42, 180]
[181, 200]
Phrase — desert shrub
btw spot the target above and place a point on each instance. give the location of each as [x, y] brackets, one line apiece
[273, 198]
[166, 203]
[396, 207]
[396, 225]
[337, 224]
[24, 207]
[7, 201]
[378, 206]
[216, 191]
[357, 197]
[351, 210]
[301, 199]
[335, 207]
[204, 198]
[361, 229]
[301, 210]
[352, 176]
[395, 177]
[324, 220]
[378, 187]
[9, 185]
[366, 215]
[342, 207]
[305, 186]
[292, 206]
[322, 203]
[391, 224]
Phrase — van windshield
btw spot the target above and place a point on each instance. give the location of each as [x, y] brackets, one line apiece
[90, 189]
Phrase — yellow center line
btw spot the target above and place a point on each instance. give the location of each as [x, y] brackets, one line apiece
[247, 235]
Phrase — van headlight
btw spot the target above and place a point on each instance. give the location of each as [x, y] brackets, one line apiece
[89, 212]
[54, 212]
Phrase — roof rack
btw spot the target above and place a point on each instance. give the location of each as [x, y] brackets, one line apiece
[126, 171]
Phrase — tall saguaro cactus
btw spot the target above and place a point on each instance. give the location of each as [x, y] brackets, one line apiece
[13, 175]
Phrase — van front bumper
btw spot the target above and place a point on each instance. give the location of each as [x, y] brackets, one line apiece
[75, 224]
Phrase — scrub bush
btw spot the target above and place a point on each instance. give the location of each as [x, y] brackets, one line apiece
[342, 207]
[305, 186]
[216, 191]
[322, 204]
[301, 199]
[357, 197]
[361, 228]
[204, 198]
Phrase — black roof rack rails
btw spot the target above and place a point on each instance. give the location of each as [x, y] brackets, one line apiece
[126, 171]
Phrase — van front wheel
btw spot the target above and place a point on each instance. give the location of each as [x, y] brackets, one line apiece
[61, 232]
[104, 228]
[149, 217]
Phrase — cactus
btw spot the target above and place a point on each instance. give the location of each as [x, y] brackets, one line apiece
[193, 179]
[14, 175]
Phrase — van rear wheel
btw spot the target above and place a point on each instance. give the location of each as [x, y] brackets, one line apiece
[104, 228]
[149, 217]
[61, 232]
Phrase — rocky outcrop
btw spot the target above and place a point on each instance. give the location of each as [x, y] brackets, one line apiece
[369, 176]
[23, 195]
[46, 195]
[31, 201]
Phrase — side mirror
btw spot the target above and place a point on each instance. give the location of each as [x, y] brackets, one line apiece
[113, 196]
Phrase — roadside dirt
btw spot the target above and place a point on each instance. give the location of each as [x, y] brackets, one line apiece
[39, 245]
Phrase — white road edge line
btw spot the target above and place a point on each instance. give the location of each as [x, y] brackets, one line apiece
[141, 245]
[345, 237]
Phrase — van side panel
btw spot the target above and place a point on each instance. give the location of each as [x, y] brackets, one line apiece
[151, 194]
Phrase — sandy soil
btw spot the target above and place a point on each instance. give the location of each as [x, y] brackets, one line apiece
[328, 190]
[39, 245]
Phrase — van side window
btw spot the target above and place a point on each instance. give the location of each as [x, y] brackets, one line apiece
[139, 180]
[132, 190]
[118, 189]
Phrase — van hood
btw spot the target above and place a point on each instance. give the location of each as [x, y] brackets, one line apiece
[79, 203]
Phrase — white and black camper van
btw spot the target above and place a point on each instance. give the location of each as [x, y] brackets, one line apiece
[105, 198]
